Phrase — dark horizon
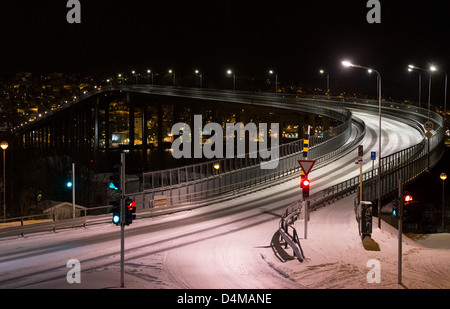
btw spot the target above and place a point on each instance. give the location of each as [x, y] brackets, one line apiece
[295, 39]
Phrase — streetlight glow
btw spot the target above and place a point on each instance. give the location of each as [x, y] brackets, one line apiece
[4, 145]
[347, 63]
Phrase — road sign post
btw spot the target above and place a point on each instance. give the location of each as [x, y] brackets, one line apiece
[122, 221]
[400, 228]
[306, 166]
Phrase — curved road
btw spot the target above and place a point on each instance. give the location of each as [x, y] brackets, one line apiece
[226, 245]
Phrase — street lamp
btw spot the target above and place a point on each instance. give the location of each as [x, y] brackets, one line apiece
[328, 79]
[230, 73]
[410, 69]
[135, 75]
[150, 72]
[271, 72]
[432, 69]
[173, 76]
[443, 177]
[4, 145]
[200, 76]
[216, 167]
[346, 63]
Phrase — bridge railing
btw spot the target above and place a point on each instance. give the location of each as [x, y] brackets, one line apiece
[407, 164]
[201, 181]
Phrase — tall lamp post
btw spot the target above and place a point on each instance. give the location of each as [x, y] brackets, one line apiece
[410, 69]
[271, 72]
[432, 69]
[173, 77]
[328, 79]
[4, 145]
[151, 73]
[443, 177]
[349, 64]
[230, 73]
[200, 76]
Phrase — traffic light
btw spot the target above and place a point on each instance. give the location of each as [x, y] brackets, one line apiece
[69, 182]
[115, 210]
[114, 179]
[304, 184]
[130, 209]
[395, 208]
[407, 198]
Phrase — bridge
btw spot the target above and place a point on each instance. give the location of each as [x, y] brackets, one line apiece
[245, 201]
[139, 118]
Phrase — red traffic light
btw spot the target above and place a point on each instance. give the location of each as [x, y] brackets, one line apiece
[407, 199]
[305, 182]
[131, 205]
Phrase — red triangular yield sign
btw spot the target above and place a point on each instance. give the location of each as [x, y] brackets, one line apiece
[306, 165]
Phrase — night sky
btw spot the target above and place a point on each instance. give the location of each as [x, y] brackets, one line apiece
[295, 38]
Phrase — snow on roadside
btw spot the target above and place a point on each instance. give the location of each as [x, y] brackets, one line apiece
[336, 257]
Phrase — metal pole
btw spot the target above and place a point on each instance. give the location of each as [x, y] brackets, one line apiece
[122, 220]
[4, 186]
[276, 83]
[445, 100]
[379, 151]
[360, 180]
[420, 89]
[429, 96]
[328, 82]
[306, 204]
[443, 205]
[73, 190]
[400, 226]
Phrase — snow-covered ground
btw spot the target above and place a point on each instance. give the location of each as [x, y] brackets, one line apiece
[234, 244]
[335, 256]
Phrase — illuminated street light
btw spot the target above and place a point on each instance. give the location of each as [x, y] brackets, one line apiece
[150, 72]
[200, 76]
[328, 79]
[271, 72]
[230, 73]
[173, 76]
[411, 69]
[443, 176]
[4, 145]
[432, 69]
[216, 167]
[347, 63]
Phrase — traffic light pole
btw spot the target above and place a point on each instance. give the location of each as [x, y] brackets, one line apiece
[73, 190]
[400, 228]
[122, 220]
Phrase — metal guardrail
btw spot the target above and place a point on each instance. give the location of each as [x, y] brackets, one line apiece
[407, 164]
[288, 232]
[231, 181]
[51, 223]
